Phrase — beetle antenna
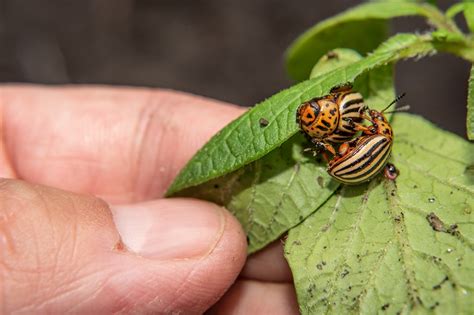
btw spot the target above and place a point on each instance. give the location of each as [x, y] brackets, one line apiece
[399, 109]
[399, 97]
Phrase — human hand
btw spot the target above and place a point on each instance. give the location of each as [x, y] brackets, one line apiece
[68, 251]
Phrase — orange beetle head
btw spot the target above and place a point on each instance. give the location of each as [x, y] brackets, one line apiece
[380, 123]
[307, 113]
[377, 116]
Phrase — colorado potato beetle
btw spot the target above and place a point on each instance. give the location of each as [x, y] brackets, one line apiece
[331, 118]
[363, 158]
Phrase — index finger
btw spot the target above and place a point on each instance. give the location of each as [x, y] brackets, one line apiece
[121, 144]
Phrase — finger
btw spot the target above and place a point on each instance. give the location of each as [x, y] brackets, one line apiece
[268, 264]
[122, 144]
[254, 297]
[62, 253]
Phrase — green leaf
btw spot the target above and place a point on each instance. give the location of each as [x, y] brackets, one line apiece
[467, 7]
[469, 14]
[454, 43]
[399, 247]
[470, 107]
[361, 28]
[455, 9]
[246, 140]
[275, 193]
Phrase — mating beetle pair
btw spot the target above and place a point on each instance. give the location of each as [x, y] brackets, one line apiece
[336, 118]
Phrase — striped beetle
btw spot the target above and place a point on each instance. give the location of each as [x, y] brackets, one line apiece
[363, 158]
[331, 118]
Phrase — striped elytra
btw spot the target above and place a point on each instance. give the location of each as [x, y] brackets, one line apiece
[365, 158]
[331, 118]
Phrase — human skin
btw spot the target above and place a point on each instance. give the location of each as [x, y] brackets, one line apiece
[84, 226]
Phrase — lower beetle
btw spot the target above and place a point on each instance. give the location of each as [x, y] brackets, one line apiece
[363, 158]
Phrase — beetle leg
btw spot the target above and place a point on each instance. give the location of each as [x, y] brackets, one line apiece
[321, 146]
[343, 148]
[329, 148]
[325, 157]
[370, 130]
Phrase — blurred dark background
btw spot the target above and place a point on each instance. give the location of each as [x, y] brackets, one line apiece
[228, 50]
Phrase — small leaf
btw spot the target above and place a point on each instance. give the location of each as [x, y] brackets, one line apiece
[470, 107]
[244, 140]
[455, 9]
[361, 28]
[394, 246]
[469, 14]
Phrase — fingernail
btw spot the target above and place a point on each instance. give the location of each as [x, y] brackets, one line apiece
[170, 228]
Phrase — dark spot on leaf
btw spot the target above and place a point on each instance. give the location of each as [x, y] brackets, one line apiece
[325, 247]
[324, 263]
[452, 229]
[301, 218]
[469, 170]
[349, 288]
[434, 305]
[311, 289]
[385, 306]
[431, 199]
[344, 273]
[332, 54]
[437, 259]
[216, 186]
[296, 242]
[320, 180]
[438, 286]
[319, 266]
[263, 122]
[435, 222]
[415, 186]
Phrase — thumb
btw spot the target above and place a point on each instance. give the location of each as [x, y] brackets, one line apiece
[200, 248]
[62, 252]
